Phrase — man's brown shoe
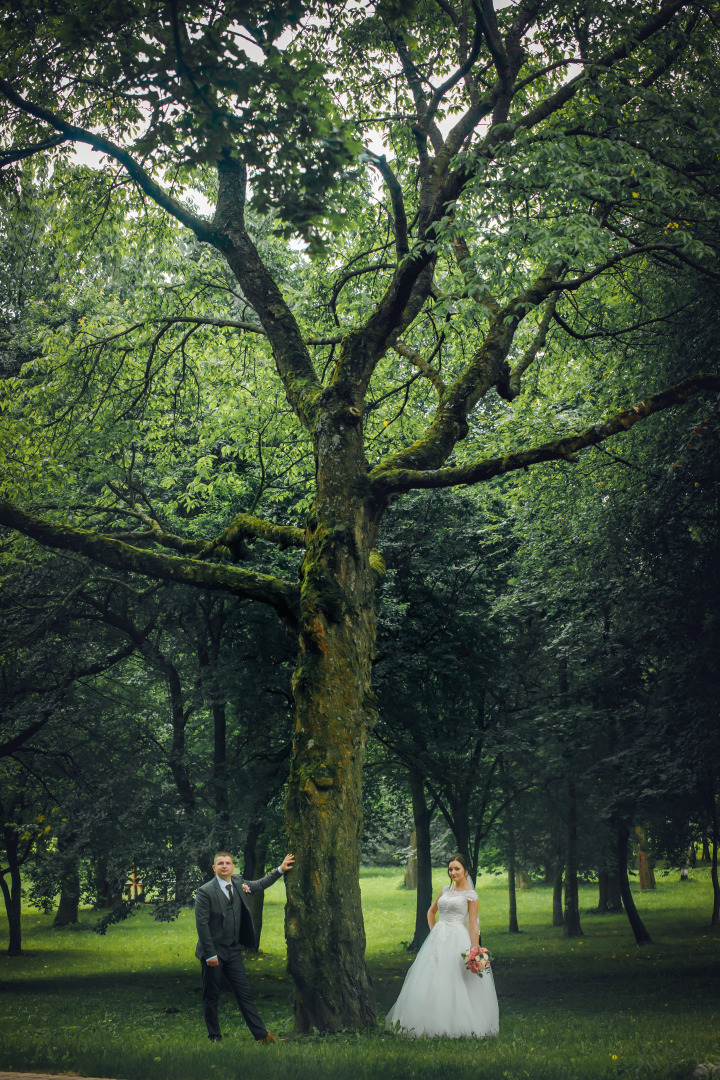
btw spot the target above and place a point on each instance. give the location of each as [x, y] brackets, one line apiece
[269, 1038]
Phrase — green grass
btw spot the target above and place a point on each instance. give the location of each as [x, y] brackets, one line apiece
[128, 1005]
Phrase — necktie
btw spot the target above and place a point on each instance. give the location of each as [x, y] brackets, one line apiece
[229, 892]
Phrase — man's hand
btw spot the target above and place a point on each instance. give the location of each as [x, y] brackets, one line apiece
[212, 963]
[287, 863]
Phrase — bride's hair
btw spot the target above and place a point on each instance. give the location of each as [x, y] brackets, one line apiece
[463, 860]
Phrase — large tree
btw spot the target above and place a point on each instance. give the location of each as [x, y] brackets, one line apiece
[461, 174]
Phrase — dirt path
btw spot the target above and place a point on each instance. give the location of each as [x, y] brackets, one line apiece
[44, 1076]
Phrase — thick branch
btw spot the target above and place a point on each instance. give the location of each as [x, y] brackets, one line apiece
[538, 343]
[274, 591]
[292, 359]
[400, 224]
[394, 481]
[247, 527]
[487, 368]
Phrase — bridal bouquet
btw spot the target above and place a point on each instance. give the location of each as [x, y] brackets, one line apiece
[477, 960]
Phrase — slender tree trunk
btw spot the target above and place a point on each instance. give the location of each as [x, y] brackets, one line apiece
[706, 856]
[67, 912]
[410, 880]
[513, 927]
[11, 893]
[220, 769]
[208, 655]
[422, 817]
[602, 890]
[335, 709]
[254, 861]
[614, 902]
[571, 919]
[646, 874]
[715, 919]
[558, 894]
[642, 937]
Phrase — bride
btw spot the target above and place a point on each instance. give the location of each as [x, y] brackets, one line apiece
[439, 995]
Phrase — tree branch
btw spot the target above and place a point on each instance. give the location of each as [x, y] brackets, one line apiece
[274, 591]
[202, 229]
[14, 153]
[386, 482]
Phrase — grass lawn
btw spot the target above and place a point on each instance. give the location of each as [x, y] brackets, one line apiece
[128, 1005]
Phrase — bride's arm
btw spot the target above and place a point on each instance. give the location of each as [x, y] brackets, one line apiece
[432, 912]
[473, 919]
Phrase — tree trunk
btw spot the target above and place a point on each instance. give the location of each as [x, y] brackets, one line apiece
[67, 912]
[220, 770]
[614, 902]
[706, 856]
[335, 709]
[11, 894]
[424, 898]
[411, 870]
[642, 937]
[571, 918]
[523, 880]
[645, 870]
[557, 894]
[603, 890]
[513, 927]
[715, 919]
[254, 860]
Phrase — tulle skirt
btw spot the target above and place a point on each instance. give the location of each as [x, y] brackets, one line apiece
[440, 997]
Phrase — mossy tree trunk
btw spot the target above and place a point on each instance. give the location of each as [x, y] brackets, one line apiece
[335, 711]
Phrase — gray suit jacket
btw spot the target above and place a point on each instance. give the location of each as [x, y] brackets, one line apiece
[215, 919]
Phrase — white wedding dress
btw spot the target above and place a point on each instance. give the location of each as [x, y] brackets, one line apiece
[439, 995]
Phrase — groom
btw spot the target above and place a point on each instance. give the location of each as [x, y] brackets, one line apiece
[224, 924]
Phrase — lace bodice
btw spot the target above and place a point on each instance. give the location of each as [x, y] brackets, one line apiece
[453, 904]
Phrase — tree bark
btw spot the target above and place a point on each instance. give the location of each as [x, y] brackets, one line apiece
[335, 709]
[571, 918]
[424, 898]
[642, 937]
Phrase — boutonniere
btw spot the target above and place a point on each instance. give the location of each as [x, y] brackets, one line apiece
[246, 888]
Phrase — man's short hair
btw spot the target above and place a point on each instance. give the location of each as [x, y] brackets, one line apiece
[227, 854]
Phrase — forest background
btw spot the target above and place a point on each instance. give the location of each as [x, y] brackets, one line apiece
[316, 507]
